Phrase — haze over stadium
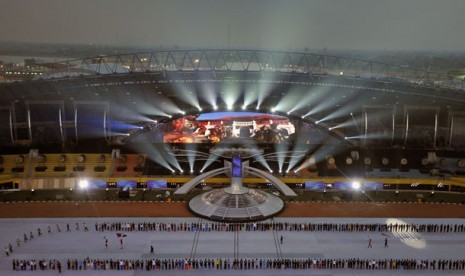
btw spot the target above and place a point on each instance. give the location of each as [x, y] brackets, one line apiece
[262, 24]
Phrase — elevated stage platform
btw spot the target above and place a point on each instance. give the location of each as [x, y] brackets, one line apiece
[222, 205]
[236, 203]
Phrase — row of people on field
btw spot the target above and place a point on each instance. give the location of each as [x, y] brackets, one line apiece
[277, 226]
[241, 264]
[43, 264]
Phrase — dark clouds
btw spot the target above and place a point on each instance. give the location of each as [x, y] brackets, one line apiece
[269, 24]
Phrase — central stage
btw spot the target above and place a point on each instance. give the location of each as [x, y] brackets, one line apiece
[240, 205]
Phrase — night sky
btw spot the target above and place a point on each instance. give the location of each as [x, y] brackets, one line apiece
[257, 24]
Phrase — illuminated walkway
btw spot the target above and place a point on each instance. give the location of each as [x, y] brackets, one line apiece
[79, 245]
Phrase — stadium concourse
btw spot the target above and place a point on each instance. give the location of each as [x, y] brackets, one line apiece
[300, 242]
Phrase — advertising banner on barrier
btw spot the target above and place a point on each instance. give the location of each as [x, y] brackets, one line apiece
[126, 184]
[314, 185]
[157, 184]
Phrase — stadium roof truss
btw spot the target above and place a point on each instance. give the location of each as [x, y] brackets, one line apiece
[242, 60]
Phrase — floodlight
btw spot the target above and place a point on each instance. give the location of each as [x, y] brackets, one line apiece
[356, 185]
[83, 184]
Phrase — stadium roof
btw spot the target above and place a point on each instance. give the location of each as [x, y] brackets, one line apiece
[163, 85]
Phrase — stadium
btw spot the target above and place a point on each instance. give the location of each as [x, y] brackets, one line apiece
[178, 113]
[215, 138]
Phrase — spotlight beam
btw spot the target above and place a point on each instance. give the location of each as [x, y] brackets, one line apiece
[264, 90]
[170, 158]
[191, 154]
[189, 96]
[318, 96]
[153, 153]
[209, 94]
[356, 123]
[212, 158]
[295, 158]
[280, 150]
[230, 94]
[250, 95]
